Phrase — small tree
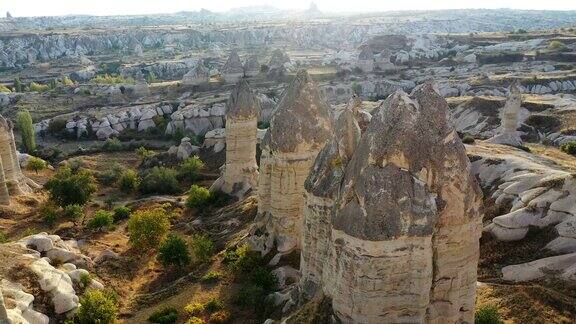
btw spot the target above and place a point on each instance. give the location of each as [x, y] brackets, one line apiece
[18, 86]
[159, 180]
[190, 168]
[148, 227]
[24, 124]
[197, 197]
[174, 251]
[121, 212]
[73, 212]
[67, 188]
[97, 307]
[35, 164]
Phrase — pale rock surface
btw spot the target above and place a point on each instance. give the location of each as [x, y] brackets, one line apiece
[509, 120]
[233, 70]
[392, 224]
[241, 169]
[198, 75]
[298, 130]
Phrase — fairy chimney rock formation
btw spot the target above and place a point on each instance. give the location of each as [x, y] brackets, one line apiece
[509, 120]
[233, 70]
[141, 88]
[366, 59]
[391, 232]
[278, 59]
[298, 130]
[198, 75]
[241, 169]
[252, 66]
[12, 180]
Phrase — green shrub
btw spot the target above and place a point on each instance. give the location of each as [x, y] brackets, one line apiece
[121, 212]
[3, 237]
[202, 248]
[102, 219]
[263, 277]
[49, 213]
[129, 181]
[467, 139]
[195, 320]
[211, 277]
[173, 251]
[111, 175]
[193, 309]
[148, 227]
[487, 314]
[37, 87]
[18, 86]
[263, 125]
[26, 128]
[57, 126]
[73, 212]
[250, 296]
[97, 307]
[67, 188]
[218, 198]
[111, 145]
[35, 164]
[190, 168]
[167, 315]
[213, 305]
[111, 79]
[75, 164]
[85, 280]
[242, 258]
[198, 197]
[159, 180]
[569, 148]
[67, 81]
[144, 153]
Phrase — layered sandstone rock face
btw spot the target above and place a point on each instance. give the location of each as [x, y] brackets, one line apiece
[241, 170]
[509, 120]
[298, 130]
[392, 224]
[12, 180]
[233, 70]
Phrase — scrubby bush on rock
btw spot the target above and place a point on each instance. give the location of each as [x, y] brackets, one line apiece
[487, 314]
[197, 197]
[73, 212]
[167, 315]
[202, 248]
[35, 164]
[569, 148]
[190, 168]
[121, 212]
[129, 181]
[148, 227]
[112, 145]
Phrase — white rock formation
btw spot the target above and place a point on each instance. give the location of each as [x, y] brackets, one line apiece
[392, 224]
[241, 170]
[298, 130]
[252, 66]
[509, 120]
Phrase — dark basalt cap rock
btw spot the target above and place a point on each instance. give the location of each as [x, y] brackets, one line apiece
[242, 103]
[301, 119]
[392, 185]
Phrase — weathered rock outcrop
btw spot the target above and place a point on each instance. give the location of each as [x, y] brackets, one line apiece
[392, 224]
[57, 282]
[233, 70]
[510, 120]
[252, 66]
[241, 170]
[298, 130]
[12, 180]
[198, 75]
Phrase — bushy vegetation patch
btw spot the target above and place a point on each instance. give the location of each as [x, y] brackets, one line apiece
[68, 188]
[173, 251]
[159, 180]
[148, 227]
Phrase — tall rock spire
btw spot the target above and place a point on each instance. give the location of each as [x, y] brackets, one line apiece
[241, 170]
[298, 130]
[233, 69]
[397, 237]
[509, 118]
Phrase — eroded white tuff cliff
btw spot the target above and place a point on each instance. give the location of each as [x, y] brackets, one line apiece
[12, 180]
[298, 130]
[509, 120]
[233, 70]
[241, 169]
[392, 224]
[198, 75]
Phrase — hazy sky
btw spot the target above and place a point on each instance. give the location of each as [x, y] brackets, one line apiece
[121, 7]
